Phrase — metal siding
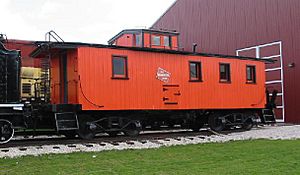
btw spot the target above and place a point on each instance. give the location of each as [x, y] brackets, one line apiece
[222, 26]
[295, 72]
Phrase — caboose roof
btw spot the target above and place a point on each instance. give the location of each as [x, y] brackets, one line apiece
[44, 47]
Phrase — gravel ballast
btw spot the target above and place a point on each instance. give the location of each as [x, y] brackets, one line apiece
[266, 132]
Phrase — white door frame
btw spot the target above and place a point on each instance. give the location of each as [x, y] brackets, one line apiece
[280, 68]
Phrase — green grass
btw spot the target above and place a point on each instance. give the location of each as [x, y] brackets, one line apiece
[241, 157]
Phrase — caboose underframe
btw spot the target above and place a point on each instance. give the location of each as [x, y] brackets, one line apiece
[87, 124]
[132, 122]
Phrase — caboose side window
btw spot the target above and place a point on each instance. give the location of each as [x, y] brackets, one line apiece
[224, 72]
[137, 40]
[250, 74]
[155, 40]
[119, 67]
[195, 71]
[167, 42]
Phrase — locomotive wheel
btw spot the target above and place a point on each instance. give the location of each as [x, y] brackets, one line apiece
[248, 124]
[6, 131]
[133, 129]
[215, 122]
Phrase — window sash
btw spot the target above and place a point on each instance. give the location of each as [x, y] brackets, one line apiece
[167, 41]
[195, 71]
[156, 40]
[119, 67]
[137, 40]
[250, 74]
[225, 72]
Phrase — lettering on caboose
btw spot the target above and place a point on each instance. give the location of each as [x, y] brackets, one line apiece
[163, 75]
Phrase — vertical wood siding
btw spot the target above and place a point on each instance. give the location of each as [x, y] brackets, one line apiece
[144, 91]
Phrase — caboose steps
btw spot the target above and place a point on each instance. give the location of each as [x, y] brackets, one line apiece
[268, 116]
[66, 121]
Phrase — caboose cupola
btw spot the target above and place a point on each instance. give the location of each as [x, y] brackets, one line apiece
[149, 38]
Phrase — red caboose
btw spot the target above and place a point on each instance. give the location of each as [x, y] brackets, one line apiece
[124, 89]
[126, 79]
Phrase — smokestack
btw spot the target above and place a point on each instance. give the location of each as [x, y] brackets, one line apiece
[194, 47]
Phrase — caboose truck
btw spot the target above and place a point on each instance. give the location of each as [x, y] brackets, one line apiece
[115, 89]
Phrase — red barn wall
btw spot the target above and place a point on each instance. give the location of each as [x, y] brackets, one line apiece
[223, 26]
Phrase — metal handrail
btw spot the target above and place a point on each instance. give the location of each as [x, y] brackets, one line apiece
[54, 35]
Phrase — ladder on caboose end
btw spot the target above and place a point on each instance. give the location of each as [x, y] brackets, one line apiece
[45, 79]
[45, 66]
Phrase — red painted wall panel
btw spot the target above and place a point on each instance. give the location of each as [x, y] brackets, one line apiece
[96, 86]
[125, 40]
[72, 67]
[147, 40]
[55, 81]
[223, 26]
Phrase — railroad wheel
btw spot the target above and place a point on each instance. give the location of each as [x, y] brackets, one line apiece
[6, 131]
[248, 124]
[215, 122]
[85, 132]
[133, 129]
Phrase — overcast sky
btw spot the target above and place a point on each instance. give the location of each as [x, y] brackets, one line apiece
[94, 21]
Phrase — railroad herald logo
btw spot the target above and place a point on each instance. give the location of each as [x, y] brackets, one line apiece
[163, 75]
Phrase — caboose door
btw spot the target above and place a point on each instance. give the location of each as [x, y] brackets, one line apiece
[171, 94]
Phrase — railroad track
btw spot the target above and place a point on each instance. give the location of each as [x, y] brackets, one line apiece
[153, 139]
[148, 135]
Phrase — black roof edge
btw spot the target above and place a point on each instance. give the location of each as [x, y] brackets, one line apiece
[140, 30]
[43, 46]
